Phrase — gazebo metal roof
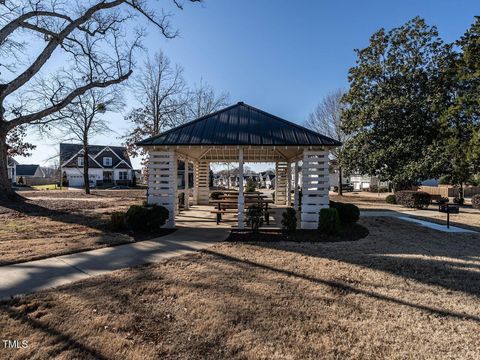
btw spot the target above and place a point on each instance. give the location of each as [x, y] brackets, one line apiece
[240, 124]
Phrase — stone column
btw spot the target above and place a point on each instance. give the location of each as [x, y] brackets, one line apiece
[314, 187]
[162, 182]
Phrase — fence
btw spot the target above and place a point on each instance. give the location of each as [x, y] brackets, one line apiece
[450, 191]
[38, 181]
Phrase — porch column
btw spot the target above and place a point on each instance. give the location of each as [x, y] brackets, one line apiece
[314, 186]
[280, 183]
[241, 200]
[195, 182]
[296, 199]
[289, 184]
[186, 204]
[162, 182]
[203, 188]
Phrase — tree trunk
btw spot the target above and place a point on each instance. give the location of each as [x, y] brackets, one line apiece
[340, 179]
[6, 190]
[86, 178]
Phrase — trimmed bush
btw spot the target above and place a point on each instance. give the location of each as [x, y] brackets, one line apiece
[254, 217]
[146, 218]
[391, 199]
[117, 220]
[289, 219]
[348, 213]
[476, 201]
[250, 186]
[329, 222]
[458, 200]
[413, 199]
[216, 195]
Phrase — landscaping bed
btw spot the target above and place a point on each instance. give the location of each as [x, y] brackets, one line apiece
[348, 232]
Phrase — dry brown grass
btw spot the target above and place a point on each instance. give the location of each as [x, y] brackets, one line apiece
[53, 223]
[468, 217]
[403, 292]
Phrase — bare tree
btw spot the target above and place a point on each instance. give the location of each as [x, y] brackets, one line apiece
[89, 37]
[326, 119]
[161, 90]
[83, 118]
[203, 101]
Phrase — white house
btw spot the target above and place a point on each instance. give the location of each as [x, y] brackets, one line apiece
[12, 169]
[107, 165]
[366, 182]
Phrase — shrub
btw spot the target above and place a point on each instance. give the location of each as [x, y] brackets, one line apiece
[216, 195]
[348, 213]
[250, 187]
[146, 218]
[289, 219]
[329, 222]
[391, 199]
[254, 217]
[443, 200]
[458, 200]
[117, 220]
[413, 199]
[476, 201]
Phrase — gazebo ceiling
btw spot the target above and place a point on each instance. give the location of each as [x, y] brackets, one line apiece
[231, 153]
[241, 125]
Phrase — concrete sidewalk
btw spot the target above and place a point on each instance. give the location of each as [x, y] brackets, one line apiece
[47, 273]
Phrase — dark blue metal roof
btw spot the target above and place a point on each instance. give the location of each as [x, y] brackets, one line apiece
[240, 124]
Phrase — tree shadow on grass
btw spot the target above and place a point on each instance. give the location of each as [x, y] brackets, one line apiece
[449, 260]
[67, 342]
[346, 288]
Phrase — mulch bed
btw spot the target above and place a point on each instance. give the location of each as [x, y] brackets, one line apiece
[349, 232]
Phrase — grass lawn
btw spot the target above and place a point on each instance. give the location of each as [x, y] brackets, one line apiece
[366, 201]
[402, 292]
[48, 187]
[53, 223]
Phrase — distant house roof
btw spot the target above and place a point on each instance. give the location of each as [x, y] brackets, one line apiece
[67, 151]
[27, 170]
[240, 124]
[11, 162]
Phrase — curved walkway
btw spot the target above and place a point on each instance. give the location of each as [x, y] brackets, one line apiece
[47, 273]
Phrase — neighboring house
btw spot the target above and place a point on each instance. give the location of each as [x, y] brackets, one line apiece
[107, 165]
[28, 172]
[12, 169]
[269, 180]
[367, 183]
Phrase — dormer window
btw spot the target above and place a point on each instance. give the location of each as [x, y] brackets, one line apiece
[107, 161]
[80, 161]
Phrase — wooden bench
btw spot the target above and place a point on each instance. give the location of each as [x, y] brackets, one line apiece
[219, 214]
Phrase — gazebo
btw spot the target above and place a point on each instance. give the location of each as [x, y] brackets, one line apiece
[240, 133]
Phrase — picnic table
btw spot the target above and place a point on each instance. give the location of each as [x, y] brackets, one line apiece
[232, 202]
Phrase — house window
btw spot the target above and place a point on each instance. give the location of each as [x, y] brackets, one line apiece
[80, 161]
[107, 161]
[123, 175]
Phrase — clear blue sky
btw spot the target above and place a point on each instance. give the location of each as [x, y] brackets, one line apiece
[284, 56]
